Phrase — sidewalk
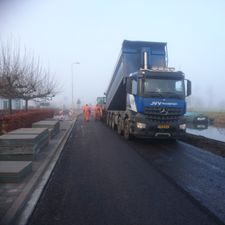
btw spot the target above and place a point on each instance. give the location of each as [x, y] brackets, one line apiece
[17, 200]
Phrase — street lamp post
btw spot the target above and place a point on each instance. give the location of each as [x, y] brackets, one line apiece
[74, 63]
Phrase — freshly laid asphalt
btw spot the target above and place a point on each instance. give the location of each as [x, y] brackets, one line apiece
[101, 179]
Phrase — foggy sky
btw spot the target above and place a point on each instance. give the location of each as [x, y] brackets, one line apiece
[91, 32]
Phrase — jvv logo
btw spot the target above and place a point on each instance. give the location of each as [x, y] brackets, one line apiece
[163, 103]
[156, 103]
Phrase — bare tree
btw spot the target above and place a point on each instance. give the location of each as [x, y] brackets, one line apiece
[38, 86]
[11, 69]
[22, 77]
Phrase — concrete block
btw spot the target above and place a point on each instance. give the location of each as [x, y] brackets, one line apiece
[18, 140]
[18, 145]
[29, 131]
[14, 171]
[52, 125]
[43, 134]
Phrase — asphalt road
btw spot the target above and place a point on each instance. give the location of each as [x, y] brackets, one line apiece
[104, 180]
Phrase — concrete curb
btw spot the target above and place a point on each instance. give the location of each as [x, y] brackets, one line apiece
[25, 203]
[211, 145]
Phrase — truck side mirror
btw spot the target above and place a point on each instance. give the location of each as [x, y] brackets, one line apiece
[188, 87]
[129, 85]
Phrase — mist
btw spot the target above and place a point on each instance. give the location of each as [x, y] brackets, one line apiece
[91, 33]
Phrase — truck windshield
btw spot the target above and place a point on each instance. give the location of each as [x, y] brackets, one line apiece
[166, 88]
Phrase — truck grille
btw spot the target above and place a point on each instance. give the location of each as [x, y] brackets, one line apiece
[163, 114]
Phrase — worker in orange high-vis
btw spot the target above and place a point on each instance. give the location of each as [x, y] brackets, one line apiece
[87, 112]
[97, 112]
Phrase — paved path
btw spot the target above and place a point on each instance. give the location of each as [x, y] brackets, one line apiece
[15, 196]
[100, 179]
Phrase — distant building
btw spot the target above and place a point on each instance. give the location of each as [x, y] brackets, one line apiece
[16, 104]
[44, 105]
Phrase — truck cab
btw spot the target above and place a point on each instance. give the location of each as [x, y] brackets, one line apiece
[156, 102]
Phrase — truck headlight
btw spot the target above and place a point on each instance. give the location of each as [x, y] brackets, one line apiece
[201, 118]
[141, 125]
[182, 126]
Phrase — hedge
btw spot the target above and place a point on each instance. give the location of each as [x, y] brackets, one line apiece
[23, 119]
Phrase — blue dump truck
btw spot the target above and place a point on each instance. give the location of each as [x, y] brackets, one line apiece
[146, 98]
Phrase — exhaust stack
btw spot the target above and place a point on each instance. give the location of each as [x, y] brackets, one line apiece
[145, 61]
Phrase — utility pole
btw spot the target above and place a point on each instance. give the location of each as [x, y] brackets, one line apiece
[72, 78]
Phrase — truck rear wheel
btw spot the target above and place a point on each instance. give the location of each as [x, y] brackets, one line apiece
[119, 126]
[108, 120]
[127, 134]
[113, 125]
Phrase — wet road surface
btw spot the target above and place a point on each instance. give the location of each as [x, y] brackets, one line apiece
[197, 172]
[104, 180]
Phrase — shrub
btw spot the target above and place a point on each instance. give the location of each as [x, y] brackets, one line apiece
[23, 119]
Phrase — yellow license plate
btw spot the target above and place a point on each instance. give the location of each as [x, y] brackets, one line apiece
[163, 126]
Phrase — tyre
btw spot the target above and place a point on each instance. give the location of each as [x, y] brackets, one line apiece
[108, 120]
[127, 134]
[113, 125]
[119, 126]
